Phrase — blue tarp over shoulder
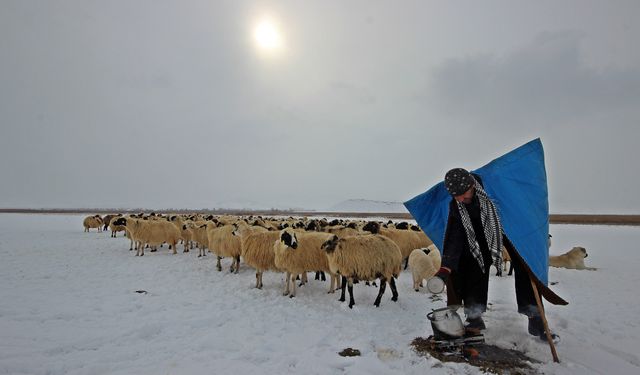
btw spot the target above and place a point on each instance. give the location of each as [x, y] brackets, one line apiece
[517, 183]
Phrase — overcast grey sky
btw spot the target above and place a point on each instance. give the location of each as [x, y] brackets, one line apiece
[165, 104]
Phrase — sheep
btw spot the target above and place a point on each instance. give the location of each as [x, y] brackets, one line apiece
[342, 231]
[424, 263]
[152, 233]
[407, 240]
[116, 228]
[186, 233]
[200, 234]
[94, 221]
[366, 257]
[258, 252]
[107, 219]
[123, 221]
[299, 252]
[224, 244]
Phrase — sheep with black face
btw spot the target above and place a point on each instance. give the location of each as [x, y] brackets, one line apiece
[365, 257]
[300, 252]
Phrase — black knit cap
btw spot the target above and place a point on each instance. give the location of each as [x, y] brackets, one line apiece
[458, 181]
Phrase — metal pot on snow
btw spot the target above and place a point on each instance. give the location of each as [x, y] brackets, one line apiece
[446, 323]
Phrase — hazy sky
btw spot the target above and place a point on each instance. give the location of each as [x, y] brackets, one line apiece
[165, 104]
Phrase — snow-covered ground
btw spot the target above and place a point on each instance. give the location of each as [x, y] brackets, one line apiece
[68, 305]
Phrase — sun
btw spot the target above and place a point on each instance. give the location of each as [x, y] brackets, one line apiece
[267, 35]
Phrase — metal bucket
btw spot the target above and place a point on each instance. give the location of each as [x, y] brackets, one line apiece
[446, 323]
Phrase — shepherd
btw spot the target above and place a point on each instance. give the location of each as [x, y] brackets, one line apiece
[471, 216]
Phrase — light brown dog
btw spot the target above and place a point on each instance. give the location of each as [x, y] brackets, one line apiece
[573, 259]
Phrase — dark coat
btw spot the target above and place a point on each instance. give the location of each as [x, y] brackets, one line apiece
[455, 244]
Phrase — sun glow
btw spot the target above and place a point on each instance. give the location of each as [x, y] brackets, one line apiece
[267, 35]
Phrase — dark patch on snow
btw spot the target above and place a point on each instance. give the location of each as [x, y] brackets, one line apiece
[489, 358]
[350, 352]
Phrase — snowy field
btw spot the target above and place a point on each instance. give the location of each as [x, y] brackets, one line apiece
[68, 305]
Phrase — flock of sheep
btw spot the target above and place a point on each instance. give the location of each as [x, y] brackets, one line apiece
[349, 251]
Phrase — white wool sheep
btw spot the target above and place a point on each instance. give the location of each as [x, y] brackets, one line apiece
[199, 234]
[300, 252]
[407, 240]
[223, 243]
[106, 220]
[343, 231]
[152, 233]
[258, 252]
[366, 257]
[94, 221]
[186, 232]
[424, 263]
[115, 228]
[123, 221]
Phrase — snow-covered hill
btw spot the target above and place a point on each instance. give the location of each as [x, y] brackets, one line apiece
[365, 205]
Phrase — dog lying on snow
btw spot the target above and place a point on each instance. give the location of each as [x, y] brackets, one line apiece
[573, 259]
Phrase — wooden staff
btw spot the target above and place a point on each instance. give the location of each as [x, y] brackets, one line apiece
[544, 322]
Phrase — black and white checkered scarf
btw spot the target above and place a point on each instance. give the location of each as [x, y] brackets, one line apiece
[491, 225]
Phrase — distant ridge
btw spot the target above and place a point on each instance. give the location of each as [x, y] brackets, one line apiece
[366, 205]
[583, 219]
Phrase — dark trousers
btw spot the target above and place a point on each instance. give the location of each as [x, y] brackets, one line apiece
[468, 285]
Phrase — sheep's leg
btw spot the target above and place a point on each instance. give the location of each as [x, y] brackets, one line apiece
[510, 268]
[286, 284]
[237, 259]
[417, 282]
[351, 300]
[332, 284]
[383, 287]
[303, 279]
[258, 279]
[233, 264]
[406, 262]
[293, 287]
[394, 290]
[218, 265]
[344, 286]
[261, 273]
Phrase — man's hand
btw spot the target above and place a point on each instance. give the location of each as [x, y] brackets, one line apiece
[443, 273]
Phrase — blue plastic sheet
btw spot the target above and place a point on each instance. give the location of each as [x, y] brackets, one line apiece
[517, 183]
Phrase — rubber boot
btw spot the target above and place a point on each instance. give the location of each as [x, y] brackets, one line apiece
[536, 328]
[475, 324]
